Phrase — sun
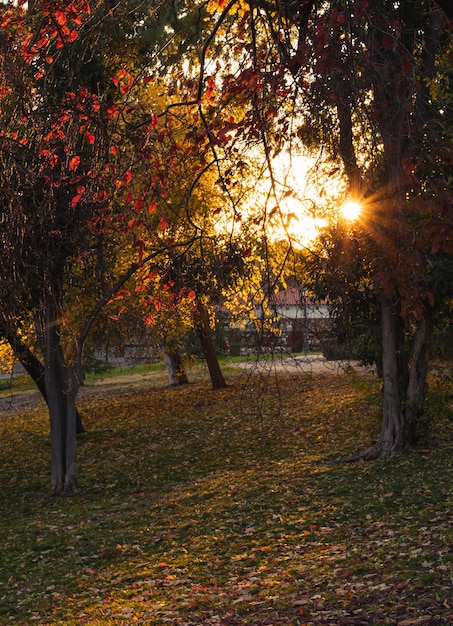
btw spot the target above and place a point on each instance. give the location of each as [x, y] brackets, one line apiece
[350, 210]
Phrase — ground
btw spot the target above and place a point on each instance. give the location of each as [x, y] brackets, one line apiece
[20, 401]
[224, 508]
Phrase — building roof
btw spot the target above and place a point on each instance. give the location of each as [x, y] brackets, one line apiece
[293, 296]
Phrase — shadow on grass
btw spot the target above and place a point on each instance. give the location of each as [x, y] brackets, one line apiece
[203, 507]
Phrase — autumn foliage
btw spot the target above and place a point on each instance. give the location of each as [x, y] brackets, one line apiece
[132, 137]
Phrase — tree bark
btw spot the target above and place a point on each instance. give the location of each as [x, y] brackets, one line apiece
[207, 344]
[35, 369]
[176, 373]
[393, 436]
[61, 393]
[418, 371]
[393, 432]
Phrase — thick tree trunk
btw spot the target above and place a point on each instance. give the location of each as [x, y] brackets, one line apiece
[176, 372]
[393, 436]
[61, 393]
[393, 432]
[404, 384]
[207, 344]
[70, 483]
[35, 369]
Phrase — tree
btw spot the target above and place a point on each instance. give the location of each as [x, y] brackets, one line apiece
[370, 85]
[74, 141]
[56, 179]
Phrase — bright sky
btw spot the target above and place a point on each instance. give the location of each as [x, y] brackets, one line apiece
[301, 202]
[297, 217]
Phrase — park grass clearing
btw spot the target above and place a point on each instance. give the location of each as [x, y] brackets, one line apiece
[224, 507]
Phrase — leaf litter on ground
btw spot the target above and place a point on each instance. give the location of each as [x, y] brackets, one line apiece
[223, 507]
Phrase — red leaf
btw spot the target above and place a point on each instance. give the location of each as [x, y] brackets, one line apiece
[388, 42]
[74, 163]
[90, 138]
[42, 43]
[408, 166]
[76, 199]
[102, 196]
[152, 207]
[163, 224]
[133, 223]
[127, 177]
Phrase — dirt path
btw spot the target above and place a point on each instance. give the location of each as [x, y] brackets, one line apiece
[16, 402]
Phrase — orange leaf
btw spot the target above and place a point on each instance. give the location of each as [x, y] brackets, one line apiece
[74, 163]
[60, 18]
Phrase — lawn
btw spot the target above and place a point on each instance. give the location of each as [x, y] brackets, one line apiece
[225, 507]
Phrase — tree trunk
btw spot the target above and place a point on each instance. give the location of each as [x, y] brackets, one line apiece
[35, 369]
[61, 392]
[404, 384]
[393, 436]
[176, 372]
[207, 344]
[418, 371]
[393, 432]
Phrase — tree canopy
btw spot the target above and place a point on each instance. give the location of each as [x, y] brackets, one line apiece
[132, 136]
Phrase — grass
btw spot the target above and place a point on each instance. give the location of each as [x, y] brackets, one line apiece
[16, 383]
[223, 507]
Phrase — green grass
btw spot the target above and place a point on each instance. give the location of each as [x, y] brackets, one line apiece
[16, 383]
[112, 372]
[223, 507]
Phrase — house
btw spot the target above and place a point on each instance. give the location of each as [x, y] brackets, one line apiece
[302, 321]
[289, 321]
